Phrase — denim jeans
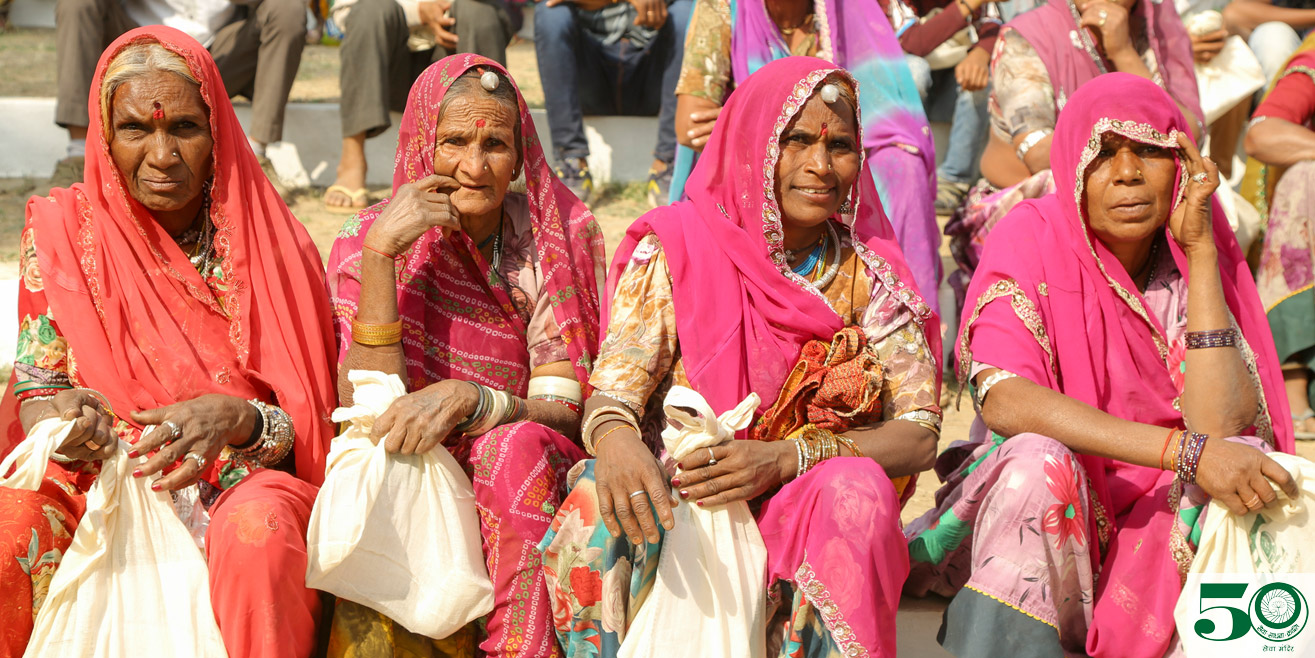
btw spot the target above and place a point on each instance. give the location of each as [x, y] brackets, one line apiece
[582, 75]
[966, 111]
[1273, 43]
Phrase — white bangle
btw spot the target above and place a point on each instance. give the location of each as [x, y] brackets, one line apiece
[991, 381]
[1031, 140]
[550, 385]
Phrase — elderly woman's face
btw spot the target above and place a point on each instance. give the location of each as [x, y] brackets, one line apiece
[160, 139]
[819, 162]
[1129, 189]
[476, 145]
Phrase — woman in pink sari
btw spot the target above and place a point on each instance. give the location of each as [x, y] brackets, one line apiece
[1117, 345]
[782, 242]
[485, 302]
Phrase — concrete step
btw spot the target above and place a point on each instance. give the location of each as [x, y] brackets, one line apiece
[621, 147]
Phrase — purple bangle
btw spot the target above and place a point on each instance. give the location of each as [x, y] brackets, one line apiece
[1189, 456]
[1195, 340]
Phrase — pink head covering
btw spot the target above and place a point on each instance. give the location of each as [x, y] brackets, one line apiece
[742, 316]
[478, 337]
[1071, 58]
[1082, 329]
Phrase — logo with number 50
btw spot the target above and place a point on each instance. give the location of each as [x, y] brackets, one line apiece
[1277, 612]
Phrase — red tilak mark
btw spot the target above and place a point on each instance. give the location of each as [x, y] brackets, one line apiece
[479, 123]
[158, 113]
[824, 130]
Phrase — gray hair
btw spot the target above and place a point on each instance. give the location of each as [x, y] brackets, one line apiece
[468, 83]
[134, 61]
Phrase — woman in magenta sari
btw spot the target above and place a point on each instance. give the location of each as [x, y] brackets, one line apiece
[485, 302]
[782, 242]
[1117, 345]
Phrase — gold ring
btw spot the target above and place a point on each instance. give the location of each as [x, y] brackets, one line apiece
[1255, 502]
[1103, 15]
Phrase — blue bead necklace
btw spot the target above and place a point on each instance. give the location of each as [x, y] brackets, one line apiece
[805, 268]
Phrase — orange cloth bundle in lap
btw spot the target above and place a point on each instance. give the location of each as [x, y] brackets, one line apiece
[834, 387]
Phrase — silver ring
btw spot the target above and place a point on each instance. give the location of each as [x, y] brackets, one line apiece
[1199, 178]
[712, 459]
[199, 459]
[637, 493]
[174, 430]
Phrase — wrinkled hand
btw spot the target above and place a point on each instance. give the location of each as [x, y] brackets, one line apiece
[433, 14]
[419, 422]
[744, 469]
[701, 125]
[1207, 46]
[1236, 474]
[92, 436]
[626, 466]
[1191, 223]
[974, 72]
[203, 425]
[650, 13]
[416, 208]
[1109, 23]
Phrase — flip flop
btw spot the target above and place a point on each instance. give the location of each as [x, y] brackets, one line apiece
[359, 200]
[1300, 419]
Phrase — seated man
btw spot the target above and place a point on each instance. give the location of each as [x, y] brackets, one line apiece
[597, 57]
[386, 44]
[257, 46]
[960, 89]
[1273, 28]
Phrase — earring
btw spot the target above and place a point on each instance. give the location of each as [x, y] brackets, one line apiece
[846, 208]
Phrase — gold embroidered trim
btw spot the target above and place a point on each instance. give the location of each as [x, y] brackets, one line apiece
[1288, 296]
[1104, 529]
[1023, 308]
[1179, 548]
[1004, 602]
[816, 593]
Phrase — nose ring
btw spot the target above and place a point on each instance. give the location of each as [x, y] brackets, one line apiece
[830, 167]
[175, 154]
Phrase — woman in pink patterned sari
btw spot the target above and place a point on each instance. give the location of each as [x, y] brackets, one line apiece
[1117, 345]
[486, 303]
[782, 242]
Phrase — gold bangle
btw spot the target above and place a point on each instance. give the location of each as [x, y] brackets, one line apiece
[848, 443]
[599, 440]
[376, 335]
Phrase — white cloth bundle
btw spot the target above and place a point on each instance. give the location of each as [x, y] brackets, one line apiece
[1232, 76]
[396, 533]
[709, 596]
[132, 583]
[1273, 540]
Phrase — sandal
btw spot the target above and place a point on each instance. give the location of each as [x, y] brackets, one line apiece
[358, 198]
[1298, 420]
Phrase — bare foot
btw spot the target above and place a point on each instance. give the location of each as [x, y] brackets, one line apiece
[348, 190]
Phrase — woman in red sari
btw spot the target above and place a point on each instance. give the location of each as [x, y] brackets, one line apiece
[172, 301]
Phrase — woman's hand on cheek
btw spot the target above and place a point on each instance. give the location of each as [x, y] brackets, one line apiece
[1191, 223]
[416, 208]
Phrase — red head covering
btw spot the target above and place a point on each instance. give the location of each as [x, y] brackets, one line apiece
[1083, 330]
[1071, 59]
[143, 327]
[742, 316]
[482, 336]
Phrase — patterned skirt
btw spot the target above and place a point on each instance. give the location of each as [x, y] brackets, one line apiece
[834, 553]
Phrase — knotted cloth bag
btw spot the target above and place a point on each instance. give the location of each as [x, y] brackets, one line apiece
[709, 597]
[132, 583]
[1258, 548]
[396, 533]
